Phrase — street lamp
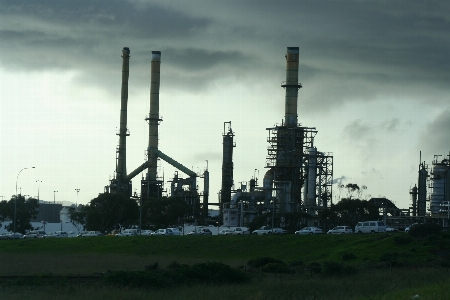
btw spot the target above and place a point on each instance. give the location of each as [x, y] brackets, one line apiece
[44, 222]
[39, 184]
[54, 196]
[15, 202]
[76, 203]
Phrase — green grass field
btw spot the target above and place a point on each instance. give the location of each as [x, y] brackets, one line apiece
[387, 266]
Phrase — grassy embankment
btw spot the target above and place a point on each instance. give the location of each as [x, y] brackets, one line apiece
[387, 267]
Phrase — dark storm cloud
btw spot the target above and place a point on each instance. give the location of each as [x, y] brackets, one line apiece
[350, 51]
[360, 129]
[201, 59]
[361, 137]
[35, 30]
[436, 138]
[357, 129]
[391, 125]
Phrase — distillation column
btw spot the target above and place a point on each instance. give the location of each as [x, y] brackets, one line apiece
[422, 191]
[227, 165]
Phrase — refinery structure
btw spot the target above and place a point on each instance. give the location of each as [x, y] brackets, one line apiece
[298, 177]
[433, 188]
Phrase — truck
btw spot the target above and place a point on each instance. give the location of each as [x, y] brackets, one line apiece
[269, 230]
[239, 231]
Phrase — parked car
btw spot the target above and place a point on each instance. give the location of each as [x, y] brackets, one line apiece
[147, 232]
[166, 231]
[33, 234]
[201, 231]
[269, 230]
[175, 231]
[14, 236]
[90, 233]
[56, 234]
[225, 232]
[341, 230]
[407, 229]
[5, 236]
[370, 227]
[239, 231]
[128, 232]
[309, 230]
[391, 229]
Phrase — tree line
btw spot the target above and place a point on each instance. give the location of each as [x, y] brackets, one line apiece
[24, 209]
[105, 213]
[109, 212]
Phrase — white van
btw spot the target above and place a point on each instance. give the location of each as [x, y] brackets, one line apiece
[128, 232]
[370, 227]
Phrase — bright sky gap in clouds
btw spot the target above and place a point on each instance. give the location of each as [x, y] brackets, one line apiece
[375, 80]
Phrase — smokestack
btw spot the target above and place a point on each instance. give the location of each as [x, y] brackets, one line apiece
[292, 86]
[153, 119]
[121, 166]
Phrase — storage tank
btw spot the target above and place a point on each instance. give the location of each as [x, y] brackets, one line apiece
[440, 173]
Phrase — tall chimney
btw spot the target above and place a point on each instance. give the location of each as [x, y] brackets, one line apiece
[153, 119]
[292, 86]
[121, 166]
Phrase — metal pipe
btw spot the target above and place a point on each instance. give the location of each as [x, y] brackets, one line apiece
[175, 164]
[137, 171]
[153, 119]
[121, 166]
[292, 86]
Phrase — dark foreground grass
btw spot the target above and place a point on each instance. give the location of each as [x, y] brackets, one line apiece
[364, 248]
[377, 284]
[387, 266]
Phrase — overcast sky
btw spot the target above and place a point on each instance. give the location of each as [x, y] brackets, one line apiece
[375, 78]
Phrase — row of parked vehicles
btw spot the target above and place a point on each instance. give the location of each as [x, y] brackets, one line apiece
[361, 227]
[33, 234]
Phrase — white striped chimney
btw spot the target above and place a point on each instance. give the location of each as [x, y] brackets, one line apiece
[292, 86]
